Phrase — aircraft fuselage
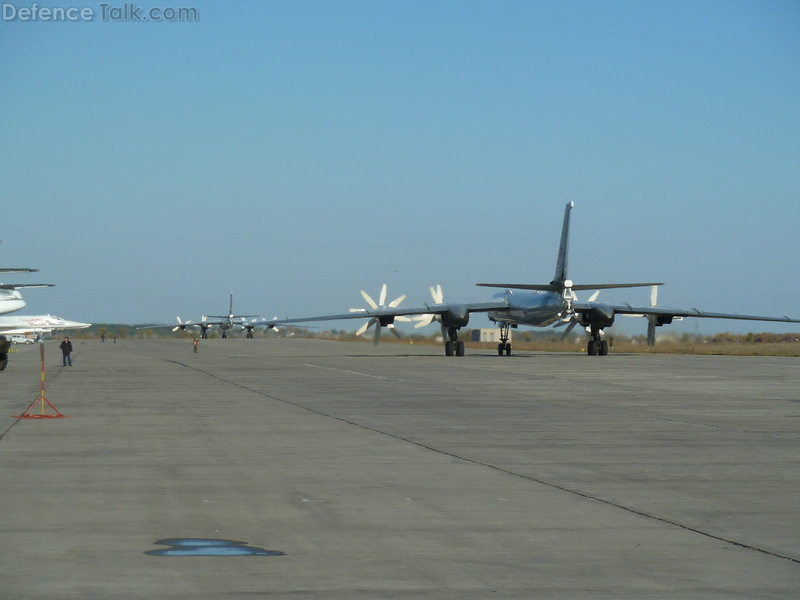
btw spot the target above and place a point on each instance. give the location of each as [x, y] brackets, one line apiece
[536, 309]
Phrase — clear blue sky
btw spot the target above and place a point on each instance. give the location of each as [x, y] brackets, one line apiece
[296, 152]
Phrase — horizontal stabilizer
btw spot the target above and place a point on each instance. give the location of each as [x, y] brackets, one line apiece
[550, 287]
[609, 286]
[545, 287]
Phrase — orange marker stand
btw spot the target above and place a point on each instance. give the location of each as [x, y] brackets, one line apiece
[42, 401]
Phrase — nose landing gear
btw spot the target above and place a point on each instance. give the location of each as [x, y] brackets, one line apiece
[504, 347]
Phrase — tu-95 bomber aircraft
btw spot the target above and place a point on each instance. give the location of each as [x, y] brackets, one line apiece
[224, 324]
[535, 305]
[227, 322]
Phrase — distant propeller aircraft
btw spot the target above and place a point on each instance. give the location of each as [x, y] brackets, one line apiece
[536, 305]
[227, 322]
[224, 324]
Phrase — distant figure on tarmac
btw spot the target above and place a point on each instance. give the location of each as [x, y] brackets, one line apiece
[194, 343]
[66, 352]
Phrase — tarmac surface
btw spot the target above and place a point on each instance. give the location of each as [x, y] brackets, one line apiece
[292, 468]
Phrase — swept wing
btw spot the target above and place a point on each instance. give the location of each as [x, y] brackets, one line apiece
[670, 313]
[19, 286]
[388, 313]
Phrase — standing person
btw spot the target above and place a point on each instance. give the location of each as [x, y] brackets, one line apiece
[194, 343]
[66, 350]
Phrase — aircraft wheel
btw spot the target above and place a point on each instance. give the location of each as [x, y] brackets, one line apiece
[603, 350]
[501, 347]
[459, 348]
[508, 349]
[592, 350]
[449, 350]
[3, 362]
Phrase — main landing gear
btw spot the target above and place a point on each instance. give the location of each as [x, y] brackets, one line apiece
[504, 347]
[597, 347]
[453, 346]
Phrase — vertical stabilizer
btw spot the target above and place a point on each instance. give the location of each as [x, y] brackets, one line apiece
[563, 249]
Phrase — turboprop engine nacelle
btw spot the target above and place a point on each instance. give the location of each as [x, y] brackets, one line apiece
[456, 316]
[599, 315]
[10, 301]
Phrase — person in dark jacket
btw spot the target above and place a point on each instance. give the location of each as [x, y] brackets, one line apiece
[5, 346]
[66, 350]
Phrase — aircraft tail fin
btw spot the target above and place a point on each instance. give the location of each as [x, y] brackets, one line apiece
[561, 283]
[563, 251]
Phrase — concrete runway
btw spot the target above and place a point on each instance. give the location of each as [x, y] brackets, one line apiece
[348, 471]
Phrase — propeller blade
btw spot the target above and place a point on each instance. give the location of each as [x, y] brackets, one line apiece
[654, 296]
[394, 303]
[437, 295]
[569, 328]
[368, 299]
[396, 333]
[424, 320]
[594, 296]
[377, 339]
[382, 301]
[366, 326]
[651, 333]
